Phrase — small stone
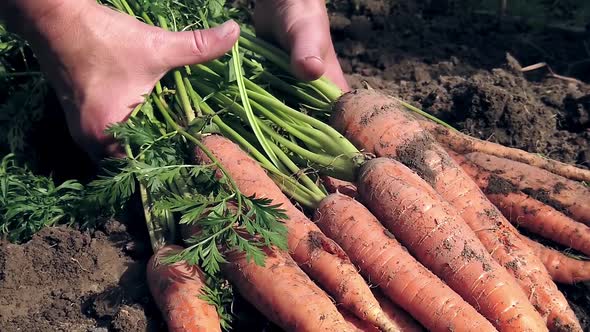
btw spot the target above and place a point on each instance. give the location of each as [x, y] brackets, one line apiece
[421, 74]
[98, 329]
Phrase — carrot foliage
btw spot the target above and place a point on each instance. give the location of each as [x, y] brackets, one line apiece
[192, 195]
[30, 202]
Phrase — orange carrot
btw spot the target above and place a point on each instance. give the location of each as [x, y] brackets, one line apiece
[390, 267]
[239, 271]
[283, 293]
[406, 322]
[527, 212]
[382, 126]
[318, 255]
[569, 197]
[462, 144]
[563, 269]
[177, 289]
[355, 323]
[441, 240]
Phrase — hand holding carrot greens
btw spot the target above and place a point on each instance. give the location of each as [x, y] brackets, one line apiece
[226, 139]
[102, 63]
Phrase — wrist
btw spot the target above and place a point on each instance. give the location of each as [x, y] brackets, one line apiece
[31, 18]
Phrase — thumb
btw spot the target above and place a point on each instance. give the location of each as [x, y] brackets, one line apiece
[178, 49]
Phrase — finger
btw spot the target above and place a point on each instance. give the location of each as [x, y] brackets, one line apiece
[192, 47]
[334, 71]
[309, 42]
[302, 28]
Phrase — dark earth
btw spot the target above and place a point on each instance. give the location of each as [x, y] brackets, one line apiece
[464, 67]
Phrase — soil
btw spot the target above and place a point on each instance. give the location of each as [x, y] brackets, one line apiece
[464, 68]
[67, 280]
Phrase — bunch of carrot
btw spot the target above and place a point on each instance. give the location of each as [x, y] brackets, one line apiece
[464, 267]
[427, 219]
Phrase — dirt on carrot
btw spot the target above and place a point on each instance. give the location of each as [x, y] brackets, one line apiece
[425, 224]
[397, 274]
[497, 185]
[544, 196]
[464, 144]
[412, 155]
[562, 194]
[526, 211]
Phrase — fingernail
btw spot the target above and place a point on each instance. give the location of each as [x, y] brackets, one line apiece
[315, 59]
[311, 67]
[225, 29]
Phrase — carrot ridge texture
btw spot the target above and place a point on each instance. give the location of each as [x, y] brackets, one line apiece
[334, 185]
[463, 144]
[381, 126]
[317, 255]
[563, 269]
[390, 267]
[177, 289]
[397, 314]
[355, 323]
[568, 196]
[284, 293]
[434, 234]
[527, 212]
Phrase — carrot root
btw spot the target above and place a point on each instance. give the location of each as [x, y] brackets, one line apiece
[439, 238]
[567, 196]
[527, 212]
[334, 185]
[563, 269]
[284, 293]
[355, 323]
[316, 254]
[396, 314]
[462, 143]
[176, 289]
[389, 266]
[373, 122]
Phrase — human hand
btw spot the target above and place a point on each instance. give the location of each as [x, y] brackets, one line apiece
[301, 27]
[101, 63]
